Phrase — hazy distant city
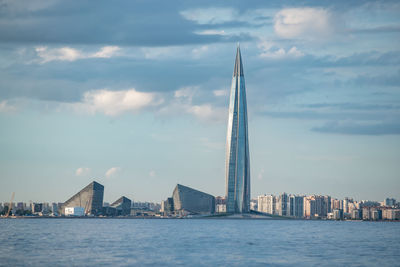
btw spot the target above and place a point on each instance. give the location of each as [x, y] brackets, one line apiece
[186, 202]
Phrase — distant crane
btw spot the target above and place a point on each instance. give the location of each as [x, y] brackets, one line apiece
[11, 203]
[88, 206]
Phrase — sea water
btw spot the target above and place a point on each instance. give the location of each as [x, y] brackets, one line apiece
[197, 242]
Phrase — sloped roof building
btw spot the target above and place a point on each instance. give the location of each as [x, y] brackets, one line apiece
[122, 206]
[90, 198]
[192, 201]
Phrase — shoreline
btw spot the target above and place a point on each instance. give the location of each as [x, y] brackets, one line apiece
[178, 218]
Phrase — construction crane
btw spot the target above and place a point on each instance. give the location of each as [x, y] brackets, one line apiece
[88, 206]
[11, 203]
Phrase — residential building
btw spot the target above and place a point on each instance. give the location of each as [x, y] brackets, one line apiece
[267, 204]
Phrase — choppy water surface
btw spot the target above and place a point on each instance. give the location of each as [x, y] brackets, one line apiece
[126, 242]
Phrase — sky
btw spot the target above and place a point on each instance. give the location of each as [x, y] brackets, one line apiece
[134, 95]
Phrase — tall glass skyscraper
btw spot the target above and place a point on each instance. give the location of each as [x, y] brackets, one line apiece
[237, 145]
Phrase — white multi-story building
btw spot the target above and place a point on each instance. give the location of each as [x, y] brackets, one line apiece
[267, 204]
[74, 211]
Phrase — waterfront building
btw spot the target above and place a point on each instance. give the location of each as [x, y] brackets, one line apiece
[20, 206]
[90, 198]
[220, 200]
[267, 204]
[74, 211]
[167, 206]
[327, 200]
[351, 206]
[309, 207]
[391, 214]
[318, 206]
[347, 202]
[37, 208]
[356, 214]
[376, 214]
[220, 208]
[366, 213]
[335, 204]
[253, 204]
[146, 206]
[187, 200]
[237, 169]
[7, 204]
[295, 206]
[282, 204]
[54, 208]
[220, 204]
[337, 214]
[46, 208]
[389, 202]
[369, 203]
[122, 206]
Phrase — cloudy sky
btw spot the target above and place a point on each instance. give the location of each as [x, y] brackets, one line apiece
[134, 95]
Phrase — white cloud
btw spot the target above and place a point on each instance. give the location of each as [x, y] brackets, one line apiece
[62, 54]
[82, 171]
[186, 92]
[160, 53]
[221, 15]
[182, 103]
[71, 54]
[306, 23]
[112, 171]
[6, 107]
[210, 15]
[206, 112]
[106, 52]
[295, 52]
[201, 111]
[269, 50]
[211, 32]
[222, 92]
[117, 102]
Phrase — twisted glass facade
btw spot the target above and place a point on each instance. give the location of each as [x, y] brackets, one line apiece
[237, 145]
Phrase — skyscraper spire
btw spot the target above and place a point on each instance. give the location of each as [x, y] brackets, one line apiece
[237, 145]
[238, 70]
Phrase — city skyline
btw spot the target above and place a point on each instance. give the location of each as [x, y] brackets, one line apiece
[137, 98]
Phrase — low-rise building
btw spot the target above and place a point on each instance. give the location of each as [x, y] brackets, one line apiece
[74, 211]
[220, 208]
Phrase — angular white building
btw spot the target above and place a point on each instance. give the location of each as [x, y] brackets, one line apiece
[237, 145]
